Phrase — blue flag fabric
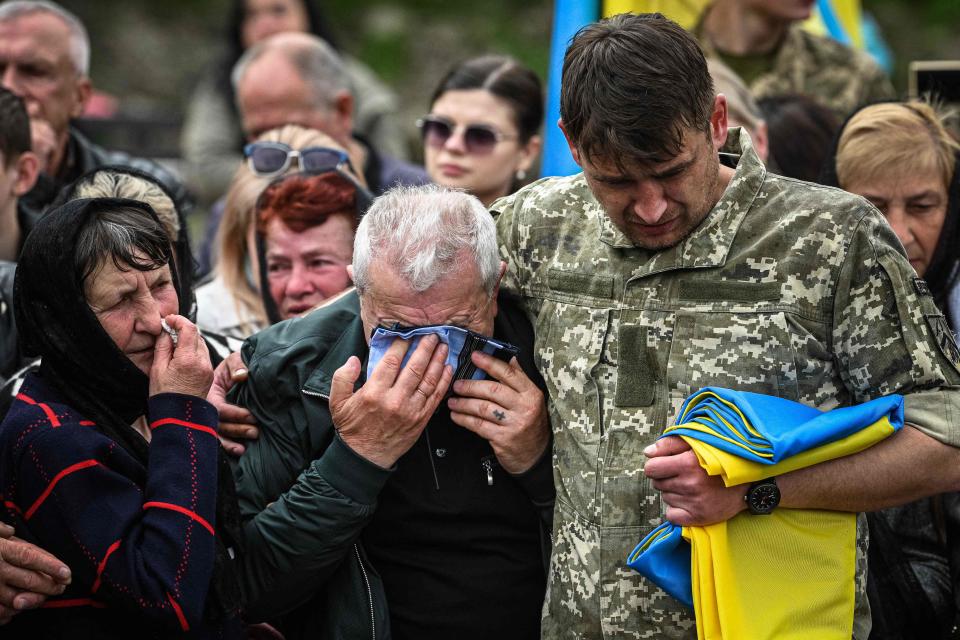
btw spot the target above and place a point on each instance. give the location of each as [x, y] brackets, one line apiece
[760, 429]
[663, 557]
[767, 429]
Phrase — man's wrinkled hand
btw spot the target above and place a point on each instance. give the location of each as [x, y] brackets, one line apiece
[28, 575]
[509, 411]
[693, 498]
[384, 418]
[236, 423]
[43, 141]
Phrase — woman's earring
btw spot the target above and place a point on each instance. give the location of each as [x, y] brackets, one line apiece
[521, 175]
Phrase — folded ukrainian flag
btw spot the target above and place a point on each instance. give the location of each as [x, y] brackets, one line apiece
[786, 575]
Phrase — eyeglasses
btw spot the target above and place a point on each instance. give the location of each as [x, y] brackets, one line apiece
[267, 159]
[477, 138]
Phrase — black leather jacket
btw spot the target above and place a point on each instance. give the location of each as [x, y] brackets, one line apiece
[9, 358]
[84, 156]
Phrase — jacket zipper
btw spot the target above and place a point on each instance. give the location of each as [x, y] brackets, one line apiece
[436, 478]
[488, 463]
[366, 582]
[356, 551]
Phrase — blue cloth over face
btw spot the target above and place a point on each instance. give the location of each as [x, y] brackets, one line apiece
[460, 344]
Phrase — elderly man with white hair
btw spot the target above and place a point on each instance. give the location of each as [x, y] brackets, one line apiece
[45, 59]
[380, 499]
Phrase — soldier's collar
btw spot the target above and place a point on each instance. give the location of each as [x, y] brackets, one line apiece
[610, 234]
[709, 244]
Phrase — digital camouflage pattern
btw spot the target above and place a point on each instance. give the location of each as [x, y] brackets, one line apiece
[839, 77]
[786, 288]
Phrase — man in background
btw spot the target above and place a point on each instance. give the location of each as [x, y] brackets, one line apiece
[45, 59]
[763, 42]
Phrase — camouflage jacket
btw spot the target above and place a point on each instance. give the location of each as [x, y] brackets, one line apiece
[786, 288]
[839, 77]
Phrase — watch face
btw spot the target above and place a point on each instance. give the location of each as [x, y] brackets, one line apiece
[763, 498]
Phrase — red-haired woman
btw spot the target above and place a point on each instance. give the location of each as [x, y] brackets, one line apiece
[305, 229]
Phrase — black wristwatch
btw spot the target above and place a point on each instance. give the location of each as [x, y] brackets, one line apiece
[763, 497]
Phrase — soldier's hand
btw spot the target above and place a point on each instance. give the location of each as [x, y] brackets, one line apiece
[236, 423]
[509, 411]
[693, 498]
[28, 575]
[384, 418]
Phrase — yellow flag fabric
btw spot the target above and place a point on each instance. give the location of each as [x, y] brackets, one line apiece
[686, 13]
[840, 19]
[787, 575]
[736, 470]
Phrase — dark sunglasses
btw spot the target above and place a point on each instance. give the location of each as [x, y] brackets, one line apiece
[477, 138]
[267, 159]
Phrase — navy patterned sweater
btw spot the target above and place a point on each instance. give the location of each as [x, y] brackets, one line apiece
[139, 540]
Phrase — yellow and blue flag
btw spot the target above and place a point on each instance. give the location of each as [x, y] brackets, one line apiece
[840, 19]
[800, 564]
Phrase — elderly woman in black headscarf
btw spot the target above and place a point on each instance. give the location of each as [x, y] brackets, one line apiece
[109, 457]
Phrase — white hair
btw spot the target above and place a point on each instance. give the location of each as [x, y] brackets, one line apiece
[315, 61]
[421, 231]
[107, 183]
[79, 40]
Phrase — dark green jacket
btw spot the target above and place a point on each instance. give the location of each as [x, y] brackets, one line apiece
[306, 496]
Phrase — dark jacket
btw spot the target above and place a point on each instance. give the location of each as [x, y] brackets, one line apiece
[83, 156]
[913, 564]
[383, 172]
[303, 546]
[9, 354]
[139, 539]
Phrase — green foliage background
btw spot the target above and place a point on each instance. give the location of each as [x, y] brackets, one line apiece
[151, 52]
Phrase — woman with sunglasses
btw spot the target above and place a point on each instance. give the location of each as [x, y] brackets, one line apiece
[481, 132]
[230, 303]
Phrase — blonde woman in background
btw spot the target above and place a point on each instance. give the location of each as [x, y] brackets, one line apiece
[231, 303]
[901, 157]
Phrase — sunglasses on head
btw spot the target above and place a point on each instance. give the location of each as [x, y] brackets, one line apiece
[268, 159]
[477, 138]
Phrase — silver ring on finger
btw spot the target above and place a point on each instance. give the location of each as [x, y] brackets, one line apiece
[422, 392]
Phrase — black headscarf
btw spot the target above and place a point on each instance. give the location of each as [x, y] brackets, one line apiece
[89, 371]
[186, 265]
[944, 268]
[362, 201]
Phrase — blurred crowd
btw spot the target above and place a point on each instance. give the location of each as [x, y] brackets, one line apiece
[159, 388]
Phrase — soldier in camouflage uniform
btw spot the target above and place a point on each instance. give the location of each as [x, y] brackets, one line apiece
[765, 44]
[660, 270]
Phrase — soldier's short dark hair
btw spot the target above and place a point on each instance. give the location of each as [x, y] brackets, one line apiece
[632, 84]
[14, 127]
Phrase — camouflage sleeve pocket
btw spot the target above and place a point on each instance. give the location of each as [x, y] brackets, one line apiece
[926, 336]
